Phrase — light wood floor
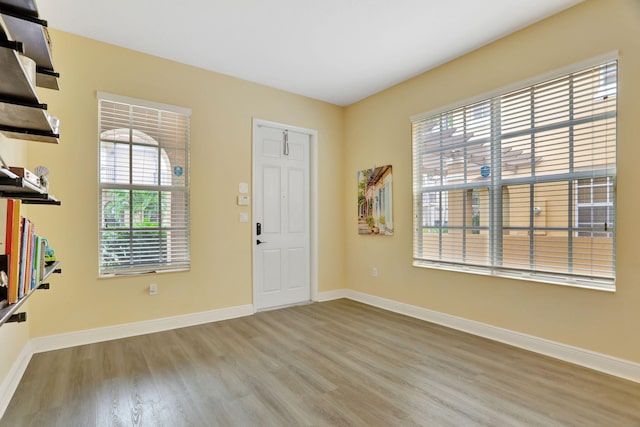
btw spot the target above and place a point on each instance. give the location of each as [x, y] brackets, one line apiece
[333, 363]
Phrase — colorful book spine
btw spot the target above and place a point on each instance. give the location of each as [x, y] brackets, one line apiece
[32, 260]
[24, 246]
[4, 206]
[28, 260]
[37, 258]
[13, 236]
[8, 228]
[4, 249]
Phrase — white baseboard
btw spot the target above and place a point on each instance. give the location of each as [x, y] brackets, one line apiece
[331, 295]
[578, 356]
[10, 383]
[89, 336]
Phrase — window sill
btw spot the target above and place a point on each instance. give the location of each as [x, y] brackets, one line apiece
[141, 273]
[597, 285]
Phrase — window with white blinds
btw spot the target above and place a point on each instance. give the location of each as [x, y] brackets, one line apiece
[144, 186]
[522, 184]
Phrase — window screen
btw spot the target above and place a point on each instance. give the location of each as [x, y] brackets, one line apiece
[144, 187]
[522, 184]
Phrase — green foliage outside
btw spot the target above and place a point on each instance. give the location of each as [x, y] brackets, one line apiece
[139, 209]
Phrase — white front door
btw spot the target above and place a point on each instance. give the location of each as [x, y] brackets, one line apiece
[281, 215]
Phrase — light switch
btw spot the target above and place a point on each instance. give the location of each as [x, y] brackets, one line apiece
[244, 217]
[243, 200]
[243, 188]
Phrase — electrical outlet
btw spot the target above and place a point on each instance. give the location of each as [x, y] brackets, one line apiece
[374, 272]
[153, 289]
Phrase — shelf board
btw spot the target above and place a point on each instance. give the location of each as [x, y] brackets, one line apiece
[50, 269]
[26, 7]
[22, 116]
[14, 83]
[33, 198]
[7, 311]
[14, 117]
[19, 21]
[34, 36]
[3, 31]
[47, 79]
[14, 187]
[26, 134]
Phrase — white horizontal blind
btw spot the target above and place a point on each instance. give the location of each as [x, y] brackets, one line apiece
[522, 184]
[144, 189]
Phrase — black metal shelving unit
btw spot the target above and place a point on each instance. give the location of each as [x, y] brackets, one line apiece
[22, 114]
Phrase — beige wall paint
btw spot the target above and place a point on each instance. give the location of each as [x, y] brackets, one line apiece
[14, 337]
[221, 126]
[378, 131]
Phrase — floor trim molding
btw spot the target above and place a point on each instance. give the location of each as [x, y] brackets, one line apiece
[578, 356]
[89, 336]
[10, 384]
[331, 295]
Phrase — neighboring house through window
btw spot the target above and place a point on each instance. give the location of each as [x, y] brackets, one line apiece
[594, 207]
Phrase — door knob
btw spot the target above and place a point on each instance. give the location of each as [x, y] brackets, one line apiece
[259, 242]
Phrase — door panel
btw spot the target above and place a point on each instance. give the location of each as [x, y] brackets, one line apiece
[296, 273]
[272, 210]
[297, 193]
[296, 151]
[271, 270]
[271, 148]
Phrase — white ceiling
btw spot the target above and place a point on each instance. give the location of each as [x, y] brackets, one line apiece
[339, 51]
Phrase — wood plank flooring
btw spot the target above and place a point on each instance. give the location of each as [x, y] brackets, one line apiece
[339, 363]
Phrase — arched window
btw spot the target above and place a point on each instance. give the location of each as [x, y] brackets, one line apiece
[143, 189]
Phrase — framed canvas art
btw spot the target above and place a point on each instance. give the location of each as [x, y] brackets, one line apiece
[375, 201]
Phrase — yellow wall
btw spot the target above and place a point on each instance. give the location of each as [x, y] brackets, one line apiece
[221, 129]
[13, 336]
[378, 131]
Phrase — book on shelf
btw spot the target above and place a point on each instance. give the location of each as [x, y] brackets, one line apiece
[24, 231]
[24, 257]
[26, 174]
[3, 226]
[32, 261]
[38, 261]
[4, 264]
[13, 243]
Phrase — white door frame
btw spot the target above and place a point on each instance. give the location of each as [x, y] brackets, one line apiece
[313, 199]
